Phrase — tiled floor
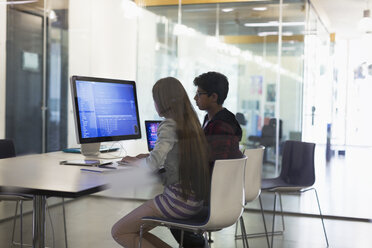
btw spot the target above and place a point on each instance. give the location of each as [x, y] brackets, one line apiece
[343, 185]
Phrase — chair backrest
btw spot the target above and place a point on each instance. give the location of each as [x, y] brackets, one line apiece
[227, 193]
[268, 134]
[253, 170]
[298, 163]
[7, 149]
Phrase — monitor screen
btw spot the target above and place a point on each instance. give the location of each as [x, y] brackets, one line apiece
[151, 133]
[105, 109]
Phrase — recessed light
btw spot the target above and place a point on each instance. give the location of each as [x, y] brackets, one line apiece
[273, 24]
[227, 10]
[259, 8]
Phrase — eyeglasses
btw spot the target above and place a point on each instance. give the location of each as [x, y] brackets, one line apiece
[198, 94]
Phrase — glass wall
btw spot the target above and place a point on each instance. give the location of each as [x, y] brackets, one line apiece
[240, 40]
[259, 45]
[317, 107]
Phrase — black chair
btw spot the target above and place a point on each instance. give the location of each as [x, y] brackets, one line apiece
[297, 176]
[268, 136]
[7, 150]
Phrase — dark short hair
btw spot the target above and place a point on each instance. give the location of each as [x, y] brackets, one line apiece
[213, 82]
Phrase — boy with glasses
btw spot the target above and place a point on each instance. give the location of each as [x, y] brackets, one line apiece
[221, 128]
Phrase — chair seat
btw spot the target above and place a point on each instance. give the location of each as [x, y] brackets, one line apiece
[199, 221]
[278, 184]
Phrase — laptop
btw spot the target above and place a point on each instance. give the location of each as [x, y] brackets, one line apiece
[151, 133]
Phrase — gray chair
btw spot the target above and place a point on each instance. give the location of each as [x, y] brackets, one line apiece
[7, 150]
[226, 203]
[297, 176]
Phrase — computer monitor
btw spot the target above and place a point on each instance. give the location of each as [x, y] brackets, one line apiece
[104, 110]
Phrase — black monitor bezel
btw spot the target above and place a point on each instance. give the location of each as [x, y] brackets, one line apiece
[75, 107]
[147, 135]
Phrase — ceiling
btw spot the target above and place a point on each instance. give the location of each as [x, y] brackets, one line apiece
[341, 16]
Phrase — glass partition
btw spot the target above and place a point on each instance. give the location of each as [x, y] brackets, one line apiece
[241, 41]
[144, 41]
[317, 110]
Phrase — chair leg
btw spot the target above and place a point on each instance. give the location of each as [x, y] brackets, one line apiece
[21, 220]
[236, 229]
[321, 216]
[244, 233]
[64, 220]
[14, 223]
[181, 243]
[281, 210]
[140, 237]
[273, 224]
[206, 239]
[264, 222]
[210, 240]
[51, 225]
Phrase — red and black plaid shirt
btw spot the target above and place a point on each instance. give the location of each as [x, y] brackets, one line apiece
[223, 134]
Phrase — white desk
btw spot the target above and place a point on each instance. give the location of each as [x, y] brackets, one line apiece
[41, 175]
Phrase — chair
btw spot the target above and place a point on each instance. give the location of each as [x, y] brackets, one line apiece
[7, 150]
[253, 170]
[268, 136]
[226, 203]
[297, 176]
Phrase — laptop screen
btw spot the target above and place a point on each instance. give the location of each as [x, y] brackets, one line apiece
[151, 133]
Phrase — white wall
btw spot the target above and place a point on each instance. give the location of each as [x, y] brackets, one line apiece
[2, 68]
[146, 63]
[102, 43]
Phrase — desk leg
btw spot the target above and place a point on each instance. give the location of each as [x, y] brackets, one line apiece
[39, 221]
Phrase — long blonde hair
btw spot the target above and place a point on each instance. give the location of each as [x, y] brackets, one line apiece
[172, 102]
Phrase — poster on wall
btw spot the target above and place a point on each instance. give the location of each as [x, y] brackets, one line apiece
[256, 85]
[270, 93]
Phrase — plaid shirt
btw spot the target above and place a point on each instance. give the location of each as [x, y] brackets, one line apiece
[223, 134]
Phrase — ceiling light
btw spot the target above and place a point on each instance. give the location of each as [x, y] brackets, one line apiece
[274, 24]
[18, 2]
[365, 24]
[288, 48]
[259, 8]
[274, 33]
[227, 10]
[52, 15]
[287, 33]
[267, 33]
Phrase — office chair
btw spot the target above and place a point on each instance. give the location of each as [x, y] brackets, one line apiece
[7, 150]
[252, 185]
[226, 203]
[268, 136]
[297, 176]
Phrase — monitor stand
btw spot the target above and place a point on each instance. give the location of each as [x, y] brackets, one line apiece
[91, 149]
